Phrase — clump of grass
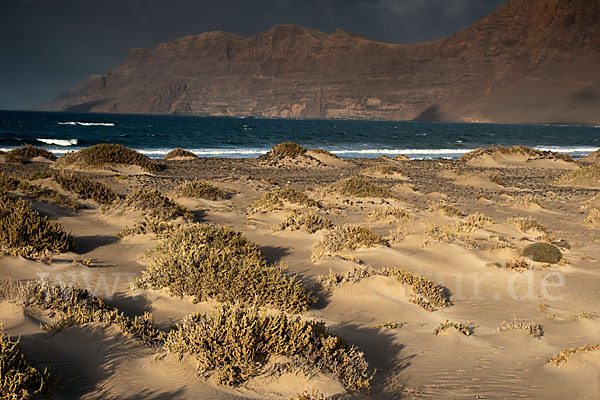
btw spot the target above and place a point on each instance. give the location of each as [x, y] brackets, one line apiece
[275, 200]
[496, 178]
[349, 237]
[543, 252]
[148, 224]
[382, 170]
[389, 325]
[105, 154]
[309, 222]
[397, 235]
[564, 355]
[325, 152]
[584, 176]
[531, 328]
[41, 174]
[462, 328]
[593, 219]
[524, 200]
[584, 315]
[528, 224]
[284, 150]
[28, 152]
[516, 150]
[25, 232]
[543, 307]
[155, 204]
[201, 190]
[473, 223]
[389, 214]
[210, 262]
[179, 153]
[235, 343]
[86, 188]
[445, 208]
[519, 265]
[401, 157]
[18, 378]
[360, 187]
[427, 294]
[8, 183]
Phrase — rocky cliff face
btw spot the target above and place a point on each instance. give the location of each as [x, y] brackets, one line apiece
[529, 61]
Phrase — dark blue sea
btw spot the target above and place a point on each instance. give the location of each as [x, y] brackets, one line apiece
[155, 135]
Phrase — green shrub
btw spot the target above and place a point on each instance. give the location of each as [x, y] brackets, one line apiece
[235, 343]
[201, 190]
[284, 150]
[275, 200]
[210, 262]
[24, 232]
[349, 237]
[543, 252]
[28, 152]
[156, 204]
[309, 222]
[105, 154]
[179, 153]
[18, 378]
[360, 187]
[85, 188]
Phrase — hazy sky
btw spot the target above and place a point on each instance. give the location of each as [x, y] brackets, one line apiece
[48, 46]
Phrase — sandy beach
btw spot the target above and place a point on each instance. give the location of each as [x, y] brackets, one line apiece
[360, 239]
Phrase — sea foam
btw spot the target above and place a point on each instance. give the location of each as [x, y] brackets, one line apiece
[59, 142]
[87, 123]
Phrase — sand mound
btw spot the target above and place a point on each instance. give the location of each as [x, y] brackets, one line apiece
[593, 158]
[120, 159]
[517, 156]
[587, 177]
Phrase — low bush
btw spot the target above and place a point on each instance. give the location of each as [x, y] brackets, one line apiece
[462, 328]
[284, 150]
[543, 252]
[236, 342]
[564, 355]
[584, 176]
[86, 189]
[427, 294]
[360, 187]
[148, 224]
[105, 154]
[349, 237]
[528, 224]
[593, 219]
[210, 262]
[156, 204]
[309, 222]
[18, 378]
[25, 232]
[276, 199]
[519, 265]
[531, 328]
[201, 190]
[473, 223]
[388, 214]
[28, 152]
[445, 208]
[8, 183]
[179, 153]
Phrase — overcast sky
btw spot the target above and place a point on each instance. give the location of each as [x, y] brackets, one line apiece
[48, 46]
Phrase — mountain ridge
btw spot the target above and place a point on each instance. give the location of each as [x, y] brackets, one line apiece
[530, 61]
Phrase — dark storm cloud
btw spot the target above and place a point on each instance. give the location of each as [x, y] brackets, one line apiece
[48, 46]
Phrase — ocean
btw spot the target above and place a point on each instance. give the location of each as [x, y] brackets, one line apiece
[155, 135]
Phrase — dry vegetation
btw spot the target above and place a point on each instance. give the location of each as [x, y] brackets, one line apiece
[85, 188]
[26, 153]
[175, 153]
[155, 204]
[516, 150]
[462, 328]
[531, 328]
[210, 262]
[235, 343]
[307, 221]
[473, 223]
[18, 378]
[106, 154]
[382, 170]
[284, 150]
[38, 192]
[276, 200]
[528, 224]
[519, 265]
[564, 355]
[388, 214]
[427, 294]
[593, 219]
[585, 176]
[360, 187]
[25, 232]
[201, 190]
[445, 208]
[349, 237]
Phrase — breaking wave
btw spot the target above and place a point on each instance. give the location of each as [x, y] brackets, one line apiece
[59, 142]
[87, 123]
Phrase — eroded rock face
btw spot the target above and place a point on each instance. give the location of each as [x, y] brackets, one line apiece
[529, 61]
